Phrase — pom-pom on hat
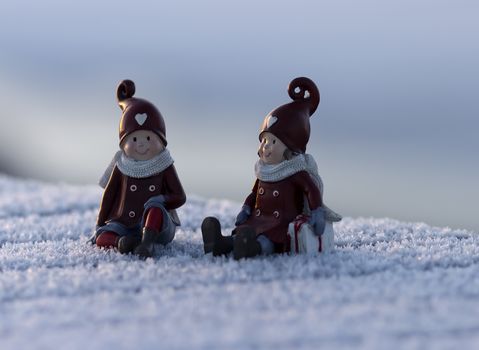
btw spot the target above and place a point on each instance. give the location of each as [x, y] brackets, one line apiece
[138, 114]
[290, 122]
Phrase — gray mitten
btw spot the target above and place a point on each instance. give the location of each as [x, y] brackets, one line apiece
[243, 215]
[318, 221]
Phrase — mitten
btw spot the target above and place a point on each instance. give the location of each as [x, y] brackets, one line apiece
[243, 215]
[318, 221]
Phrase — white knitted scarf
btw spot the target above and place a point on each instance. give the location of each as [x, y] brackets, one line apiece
[287, 168]
[137, 168]
[277, 172]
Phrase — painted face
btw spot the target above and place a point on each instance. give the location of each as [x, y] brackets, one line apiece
[142, 145]
[271, 149]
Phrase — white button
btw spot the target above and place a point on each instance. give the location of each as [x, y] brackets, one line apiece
[133, 188]
[258, 212]
[152, 188]
[276, 214]
[131, 214]
[261, 190]
[275, 193]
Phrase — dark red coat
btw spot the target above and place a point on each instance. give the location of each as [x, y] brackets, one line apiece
[124, 196]
[275, 204]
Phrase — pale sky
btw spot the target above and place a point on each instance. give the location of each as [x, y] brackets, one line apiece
[395, 134]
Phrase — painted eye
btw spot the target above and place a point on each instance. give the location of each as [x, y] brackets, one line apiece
[274, 141]
[148, 138]
[134, 139]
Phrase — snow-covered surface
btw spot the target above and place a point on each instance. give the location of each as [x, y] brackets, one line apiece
[388, 285]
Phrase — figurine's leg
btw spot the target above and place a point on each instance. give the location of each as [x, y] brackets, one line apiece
[115, 234]
[267, 246]
[154, 219]
[107, 239]
[158, 228]
[245, 244]
[157, 219]
[213, 241]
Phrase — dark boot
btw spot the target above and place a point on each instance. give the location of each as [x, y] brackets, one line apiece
[213, 240]
[145, 248]
[245, 243]
[126, 244]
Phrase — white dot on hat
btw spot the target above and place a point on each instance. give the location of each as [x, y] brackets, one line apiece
[271, 120]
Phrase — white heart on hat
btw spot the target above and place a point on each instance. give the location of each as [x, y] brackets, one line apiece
[140, 118]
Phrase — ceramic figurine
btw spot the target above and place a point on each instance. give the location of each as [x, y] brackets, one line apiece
[288, 188]
[142, 189]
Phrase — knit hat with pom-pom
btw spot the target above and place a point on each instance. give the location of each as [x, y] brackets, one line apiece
[290, 122]
[138, 114]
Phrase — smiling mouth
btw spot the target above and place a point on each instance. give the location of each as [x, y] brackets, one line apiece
[144, 152]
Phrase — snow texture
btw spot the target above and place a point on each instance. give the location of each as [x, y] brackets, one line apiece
[388, 285]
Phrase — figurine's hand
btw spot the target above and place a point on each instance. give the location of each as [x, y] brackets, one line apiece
[318, 221]
[243, 215]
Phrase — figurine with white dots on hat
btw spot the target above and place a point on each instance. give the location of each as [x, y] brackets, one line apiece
[284, 211]
[142, 188]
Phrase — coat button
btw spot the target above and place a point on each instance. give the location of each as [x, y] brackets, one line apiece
[131, 214]
[276, 214]
[275, 193]
[133, 188]
[261, 190]
[258, 212]
[152, 188]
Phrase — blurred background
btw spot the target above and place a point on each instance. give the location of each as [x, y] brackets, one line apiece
[396, 133]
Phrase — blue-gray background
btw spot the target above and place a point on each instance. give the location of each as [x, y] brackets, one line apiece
[395, 134]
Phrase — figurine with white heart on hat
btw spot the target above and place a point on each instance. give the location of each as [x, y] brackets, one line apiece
[284, 211]
[142, 188]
